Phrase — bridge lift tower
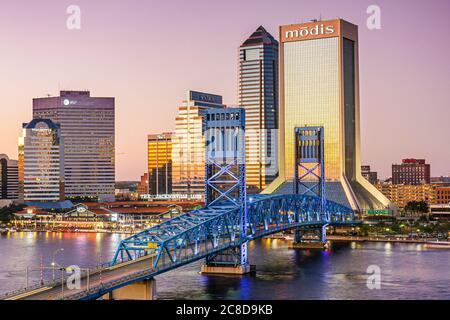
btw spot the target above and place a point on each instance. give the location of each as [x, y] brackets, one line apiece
[309, 172]
[225, 182]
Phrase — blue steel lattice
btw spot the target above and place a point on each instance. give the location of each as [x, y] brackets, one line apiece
[309, 171]
[225, 182]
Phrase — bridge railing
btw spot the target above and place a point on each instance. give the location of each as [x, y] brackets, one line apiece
[56, 282]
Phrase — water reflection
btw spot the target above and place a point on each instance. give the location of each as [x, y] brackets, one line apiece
[408, 270]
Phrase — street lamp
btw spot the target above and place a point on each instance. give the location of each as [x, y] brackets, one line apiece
[54, 263]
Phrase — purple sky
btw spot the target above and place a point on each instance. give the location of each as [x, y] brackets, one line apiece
[148, 53]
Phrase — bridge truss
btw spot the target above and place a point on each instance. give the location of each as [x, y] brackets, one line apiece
[200, 233]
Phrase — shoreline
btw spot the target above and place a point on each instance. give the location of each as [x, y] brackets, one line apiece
[70, 231]
[380, 239]
[334, 238]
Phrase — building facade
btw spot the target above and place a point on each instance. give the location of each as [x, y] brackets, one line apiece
[41, 162]
[188, 153]
[159, 163]
[369, 175]
[411, 171]
[88, 128]
[442, 195]
[9, 178]
[319, 87]
[258, 95]
[401, 194]
[440, 211]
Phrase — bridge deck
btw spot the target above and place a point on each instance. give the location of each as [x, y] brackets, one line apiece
[104, 276]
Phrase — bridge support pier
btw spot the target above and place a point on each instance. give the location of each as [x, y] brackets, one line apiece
[227, 269]
[300, 243]
[142, 290]
[230, 261]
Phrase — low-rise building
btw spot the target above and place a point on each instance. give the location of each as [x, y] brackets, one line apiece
[142, 187]
[369, 175]
[442, 195]
[440, 211]
[401, 194]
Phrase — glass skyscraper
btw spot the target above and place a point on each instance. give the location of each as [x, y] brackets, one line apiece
[319, 86]
[88, 127]
[41, 162]
[258, 95]
[188, 144]
[160, 163]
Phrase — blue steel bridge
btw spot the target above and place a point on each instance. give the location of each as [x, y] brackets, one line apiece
[220, 231]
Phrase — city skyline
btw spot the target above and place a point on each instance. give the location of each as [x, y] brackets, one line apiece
[148, 98]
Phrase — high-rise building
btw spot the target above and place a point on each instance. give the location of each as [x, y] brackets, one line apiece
[160, 163]
[9, 178]
[411, 171]
[319, 87]
[88, 127]
[188, 153]
[41, 162]
[258, 95]
[369, 175]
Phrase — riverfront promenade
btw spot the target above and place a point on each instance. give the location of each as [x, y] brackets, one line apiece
[379, 239]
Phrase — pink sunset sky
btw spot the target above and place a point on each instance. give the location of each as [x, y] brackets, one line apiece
[147, 54]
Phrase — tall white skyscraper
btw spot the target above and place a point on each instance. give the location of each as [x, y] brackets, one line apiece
[41, 162]
[258, 95]
[188, 143]
[88, 128]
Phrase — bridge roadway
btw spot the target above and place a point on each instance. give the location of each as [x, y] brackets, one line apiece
[106, 279]
[102, 277]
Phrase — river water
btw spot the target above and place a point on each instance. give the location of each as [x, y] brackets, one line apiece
[408, 271]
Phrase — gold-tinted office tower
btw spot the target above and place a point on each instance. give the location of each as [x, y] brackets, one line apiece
[319, 86]
[159, 163]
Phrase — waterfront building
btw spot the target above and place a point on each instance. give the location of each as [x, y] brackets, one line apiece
[41, 161]
[94, 216]
[319, 87]
[369, 175]
[258, 95]
[159, 163]
[411, 171]
[9, 178]
[401, 194]
[188, 156]
[88, 128]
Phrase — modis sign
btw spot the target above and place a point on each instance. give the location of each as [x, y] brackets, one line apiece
[313, 31]
[309, 31]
